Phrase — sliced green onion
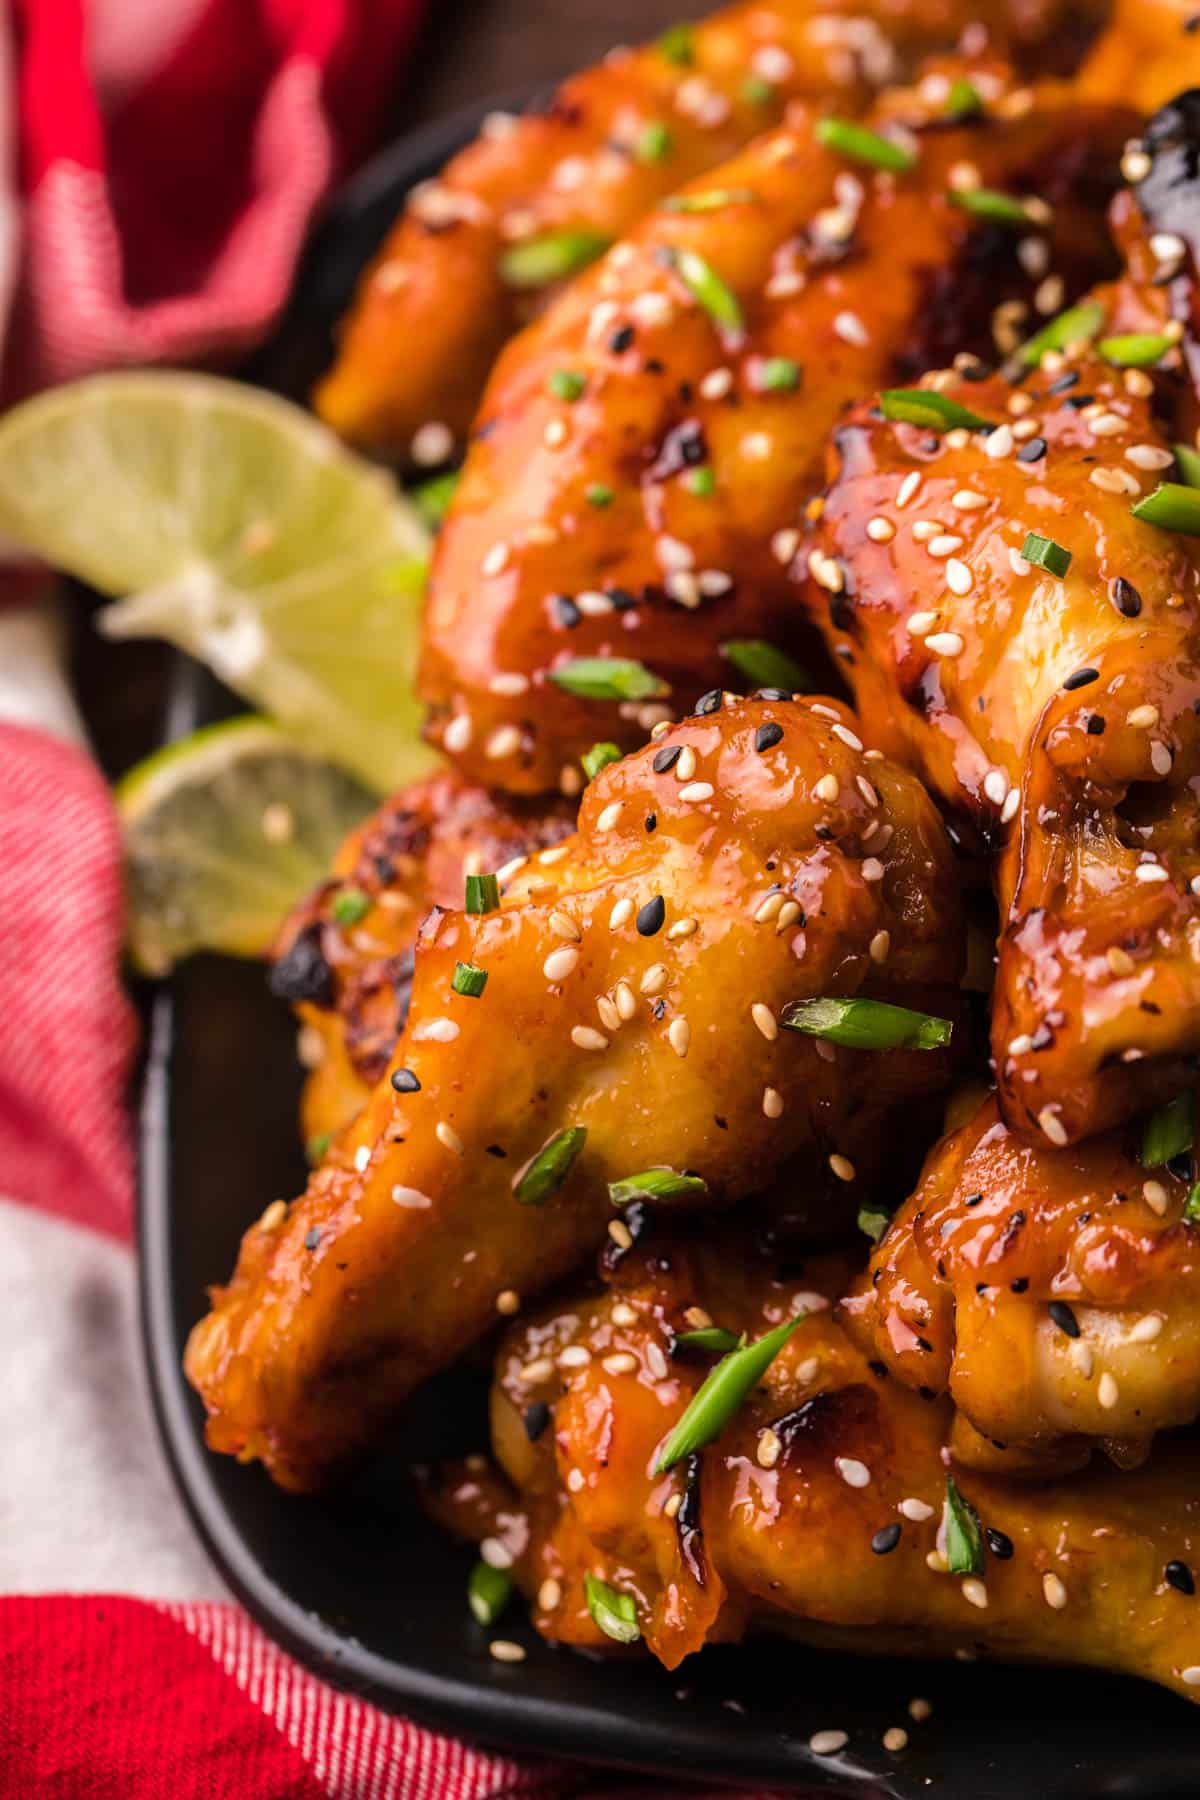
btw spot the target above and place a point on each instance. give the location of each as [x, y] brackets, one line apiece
[1187, 461]
[988, 203]
[350, 906]
[1046, 554]
[722, 1392]
[598, 493]
[708, 1337]
[676, 44]
[551, 257]
[707, 289]
[468, 979]
[1169, 1131]
[711, 200]
[864, 146]
[432, 498]
[317, 1145]
[1191, 1206]
[873, 1221]
[566, 384]
[488, 1592]
[1135, 349]
[757, 92]
[778, 375]
[599, 757]
[1078, 325]
[925, 406]
[1171, 507]
[963, 99]
[964, 1540]
[614, 1612]
[607, 678]
[483, 894]
[656, 1184]
[701, 481]
[545, 1173]
[765, 664]
[653, 142]
[867, 1024]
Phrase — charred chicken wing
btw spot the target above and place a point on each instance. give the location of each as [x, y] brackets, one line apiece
[618, 1013]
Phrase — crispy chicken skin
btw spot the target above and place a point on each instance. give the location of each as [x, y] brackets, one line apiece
[351, 982]
[778, 1522]
[615, 140]
[1055, 1294]
[646, 509]
[635, 975]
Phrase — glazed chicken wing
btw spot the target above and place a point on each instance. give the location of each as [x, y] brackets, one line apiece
[819, 1508]
[1054, 1294]
[617, 1013]
[644, 453]
[477, 251]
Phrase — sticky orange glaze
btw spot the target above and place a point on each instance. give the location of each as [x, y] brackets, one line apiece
[622, 970]
[779, 1533]
[434, 308]
[1147, 53]
[351, 982]
[578, 531]
[956, 1295]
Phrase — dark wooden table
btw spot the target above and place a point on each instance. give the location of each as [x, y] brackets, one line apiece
[467, 50]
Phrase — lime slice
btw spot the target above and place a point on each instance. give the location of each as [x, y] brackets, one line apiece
[224, 831]
[239, 528]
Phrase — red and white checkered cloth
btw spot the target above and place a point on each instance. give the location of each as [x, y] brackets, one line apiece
[159, 163]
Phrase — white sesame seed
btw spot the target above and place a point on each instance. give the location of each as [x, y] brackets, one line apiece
[945, 643]
[1135, 164]
[505, 1651]
[431, 444]
[651, 309]
[624, 1314]
[564, 926]
[764, 1018]
[879, 946]
[1160, 757]
[683, 928]
[1150, 872]
[1148, 456]
[850, 328]
[655, 979]
[995, 786]
[872, 868]
[855, 1474]
[1114, 481]
[716, 384]
[1009, 809]
[772, 1103]
[714, 582]
[826, 571]
[827, 788]
[827, 1743]
[1142, 718]
[559, 964]
[436, 1031]
[626, 1002]
[944, 544]
[925, 530]
[656, 1362]
[895, 1738]
[449, 1138]
[866, 790]
[1107, 1392]
[671, 1509]
[549, 1596]
[495, 560]
[1054, 1592]
[362, 1157]
[1191, 1675]
[1107, 424]
[789, 912]
[555, 433]
[1021, 1045]
[921, 623]
[999, 443]
[916, 1510]
[507, 870]
[575, 1356]
[842, 1167]
[974, 1591]
[769, 908]
[495, 1553]
[696, 791]
[958, 576]
[768, 1449]
[555, 855]
[880, 530]
[908, 487]
[609, 816]
[1017, 563]
[785, 544]
[593, 603]
[620, 1234]
[847, 737]
[1052, 1125]
[584, 1037]
[504, 741]
[508, 1302]
[1165, 247]
[273, 1216]
[679, 1036]
[575, 1481]
[621, 1362]
[1082, 1359]
[411, 1198]
[540, 1369]
[1148, 1327]
[621, 913]
[756, 445]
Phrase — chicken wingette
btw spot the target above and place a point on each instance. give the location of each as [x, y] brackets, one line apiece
[820, 1506]
[477, 250]
[644, 453]
[617, 1012]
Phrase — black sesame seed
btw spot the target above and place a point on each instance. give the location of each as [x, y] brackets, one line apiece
[1081, 678]
[1077, 401]
[622, 599]
[1064, 383]
[1020, 1285]
[1064, 1318]
[666, 758]
[975, 370]
[566, 611]
[1095, 726]
[972, 1199]
[1033, 451]
[651, 821]
[537, 1417]
[1126, 598]
[312, 1238]
[710, 702]
[621, 339]
[999, 1545]
[651, 916]
[885, 1541]
[1179, 1576]
[405, 1082]
[767, 736]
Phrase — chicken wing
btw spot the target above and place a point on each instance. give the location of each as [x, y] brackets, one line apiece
[1054, 1294]
[618, 1013]
[820, 1507]
[645, 452]
[345, 956]
[477, 251]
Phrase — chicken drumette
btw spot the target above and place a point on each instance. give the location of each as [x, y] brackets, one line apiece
[618, 1013]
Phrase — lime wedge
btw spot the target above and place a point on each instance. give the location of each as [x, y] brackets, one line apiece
[236, 526]
[224, 831]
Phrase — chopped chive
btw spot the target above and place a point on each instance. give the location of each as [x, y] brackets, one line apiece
[873, 1221]
[598, 493]
[701, 481]
[551, 257]
[778, 375]
[722, 1392]
[1169, 1131]
[317, 1145]
[1078, 325]
[963, 99]
[468, 979]
[1171, 507]
[708, 1337]
[545, 1173]
[483, 894]
[707, 289]
[711, 200]
[867, 1024]
[1187, 461]
[566, 384]
[988, 203]
[924, 406]
[964, 1540]
[599, 757]
[864, 146]
[432, 498]
[607, 678]
[653, 142]
[614, 1612]
[350, 906]
[1135, 349]
[656, 1184]
[765, 664]
[757, 92]
[677, 45]
[488, 1592]
[1046, 554]
[1191, 1206]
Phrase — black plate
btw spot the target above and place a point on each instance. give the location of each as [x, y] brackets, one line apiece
[361, 1587]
